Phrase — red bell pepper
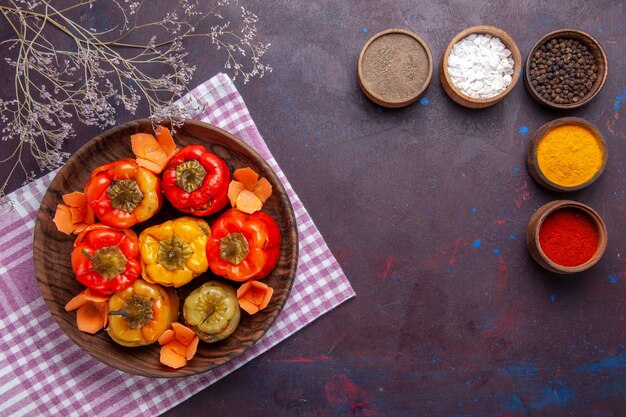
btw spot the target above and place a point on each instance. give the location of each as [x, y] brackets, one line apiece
[122, 193]
[243, 246]
[196, 181]
[105, 259]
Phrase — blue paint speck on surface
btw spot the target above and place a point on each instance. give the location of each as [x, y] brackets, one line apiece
[523, 370]
[516, 170]
[468, 382]
[496, 251]
[555, 394]
[618, 100]
[379, 110]
[607, 364]
[512, 236]
[523, 130]
[601, 30]
[515, 404]
[473, 210]
[613, 278]
[477, 243]
[424, 101]
[434, 360]
[365, 30]
[318, 133]
[552, 298]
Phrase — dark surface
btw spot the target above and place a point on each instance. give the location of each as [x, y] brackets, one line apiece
[425, 208]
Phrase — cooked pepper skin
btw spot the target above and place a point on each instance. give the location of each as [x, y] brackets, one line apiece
[212, 192]
[103, 177]
[263, 238]
[163, 304]
[95, 238]
[191, 234]
[212, 311]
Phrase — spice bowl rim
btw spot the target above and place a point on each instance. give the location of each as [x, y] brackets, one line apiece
[454, 93]
[534, 226]
[592, 43]
[532, 162]
[375, 97]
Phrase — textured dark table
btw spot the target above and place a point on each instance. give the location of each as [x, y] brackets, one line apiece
[425, 208]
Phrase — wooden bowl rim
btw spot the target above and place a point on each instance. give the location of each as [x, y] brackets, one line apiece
[543, 130]
[376, 98]
[292, 256]
[589, 41]
[549, 208]
[506, 39]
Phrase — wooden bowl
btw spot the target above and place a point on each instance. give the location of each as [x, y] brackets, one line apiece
[58, 285]
[456, 94]
[594, 47]
[531, 154]
[532, 236]
[377, 87]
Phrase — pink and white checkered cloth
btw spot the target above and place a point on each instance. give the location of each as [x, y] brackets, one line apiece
[42, 372]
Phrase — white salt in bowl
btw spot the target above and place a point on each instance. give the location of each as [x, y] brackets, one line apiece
[455, 93]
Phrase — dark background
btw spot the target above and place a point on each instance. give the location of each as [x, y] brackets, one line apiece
[425, 209]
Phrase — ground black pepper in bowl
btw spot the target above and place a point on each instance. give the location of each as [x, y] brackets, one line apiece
[565, 69]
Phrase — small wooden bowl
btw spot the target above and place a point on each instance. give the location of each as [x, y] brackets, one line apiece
[427, 72]
[456, 94]
[594, 47]
[532, 236]
[533, 164]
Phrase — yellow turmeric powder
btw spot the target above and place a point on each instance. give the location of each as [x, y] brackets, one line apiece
[569, 155]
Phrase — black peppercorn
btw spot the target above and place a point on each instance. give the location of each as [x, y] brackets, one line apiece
[563, 71]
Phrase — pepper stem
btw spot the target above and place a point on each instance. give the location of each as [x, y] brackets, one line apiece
[137, 311]
[125, 195]
[234, 248]
[189, 175]
[108, 261]
[173, 253]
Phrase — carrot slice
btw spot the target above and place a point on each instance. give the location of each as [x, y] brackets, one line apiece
[75, 199]
[90, 217]
[78, 214]
[248, 306]
[145, 146]
[267, 298]
[178, 346]
[263, 189]
[77, 301]
[165, 140]
[169, 357]
[254, 296]
[183, 333]
[192, 348]
[104, 312]
[166, 337]
[63, 219]
[248, 202]
[149, 165]
[95, 296]
[89, 318]
[247, 177]
[234, 188]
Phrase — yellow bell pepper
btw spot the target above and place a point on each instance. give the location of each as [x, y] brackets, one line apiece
[173, 253]
[139, 314]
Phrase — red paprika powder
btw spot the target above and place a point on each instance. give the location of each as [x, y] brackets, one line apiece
[569, 237]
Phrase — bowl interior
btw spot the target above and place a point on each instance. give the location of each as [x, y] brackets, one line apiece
[52, 249]
[543, 130]
[593, 215]
[592, 45]
[506, 39]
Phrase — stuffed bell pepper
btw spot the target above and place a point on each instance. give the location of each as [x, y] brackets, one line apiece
[196, 181]
[243, 246]
[139, 314]
[105, 259]
[122, 193]
[173, 253]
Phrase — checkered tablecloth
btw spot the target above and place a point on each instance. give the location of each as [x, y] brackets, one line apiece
[42, 372]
